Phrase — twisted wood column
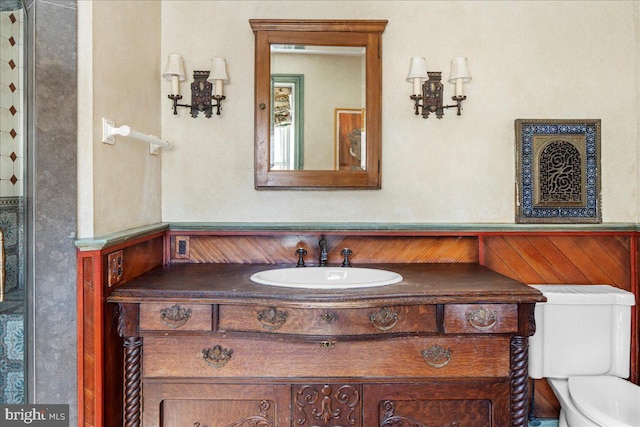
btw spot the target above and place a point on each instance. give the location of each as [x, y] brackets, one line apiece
[132, 380]
[519, 381]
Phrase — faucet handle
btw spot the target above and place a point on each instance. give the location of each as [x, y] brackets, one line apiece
[346, 252]
[323, 251]
[301, 252]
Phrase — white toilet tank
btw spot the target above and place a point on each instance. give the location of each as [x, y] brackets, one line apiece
[581, 330]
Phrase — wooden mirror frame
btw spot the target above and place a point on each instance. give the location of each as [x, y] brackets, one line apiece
[364, 33]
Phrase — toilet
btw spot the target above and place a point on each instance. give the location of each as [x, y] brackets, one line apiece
[582, 346]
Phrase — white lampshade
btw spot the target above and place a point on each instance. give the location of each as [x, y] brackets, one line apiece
[218, 70]
[418, 69]
[174, 68]
[459, 70]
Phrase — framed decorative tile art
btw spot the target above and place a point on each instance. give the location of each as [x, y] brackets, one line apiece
[558, 171]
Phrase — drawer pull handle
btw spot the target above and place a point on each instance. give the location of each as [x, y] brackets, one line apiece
[175, 316]
[272, 318]
[328, 317]
[482, 319]
[436, 356]
[217, 356]
[384, 319]
[327, 344]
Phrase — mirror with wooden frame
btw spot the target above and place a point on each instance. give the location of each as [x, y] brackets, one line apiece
[318, 104]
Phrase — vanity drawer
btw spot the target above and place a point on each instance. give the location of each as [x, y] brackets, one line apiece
[480, 318]
[407, 357]
[332, 322]
[171, 317]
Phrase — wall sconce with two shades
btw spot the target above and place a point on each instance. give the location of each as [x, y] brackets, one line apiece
[203, 96]
[427, 86]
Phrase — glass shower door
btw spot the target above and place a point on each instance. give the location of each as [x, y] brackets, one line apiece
[12, 213]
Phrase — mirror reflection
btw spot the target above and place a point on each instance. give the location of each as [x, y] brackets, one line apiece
[328, 85]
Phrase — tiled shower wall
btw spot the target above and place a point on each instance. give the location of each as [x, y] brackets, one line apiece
[12, 363]
[11, 103]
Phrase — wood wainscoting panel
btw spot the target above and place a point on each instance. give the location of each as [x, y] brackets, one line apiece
[635, 316]
[549, 259]
[138, 258]
[89, 340]
[100, 393]
[280, 249]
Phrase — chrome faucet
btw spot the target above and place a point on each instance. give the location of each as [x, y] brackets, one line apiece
[323, 251]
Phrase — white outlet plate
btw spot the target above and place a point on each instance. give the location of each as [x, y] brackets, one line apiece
[115, 261]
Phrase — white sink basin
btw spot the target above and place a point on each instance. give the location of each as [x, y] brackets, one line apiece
[326, 277]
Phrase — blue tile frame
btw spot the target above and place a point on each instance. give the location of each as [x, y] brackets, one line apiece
[12, 309]
[11, 223]
[12, 358]
[527, 211]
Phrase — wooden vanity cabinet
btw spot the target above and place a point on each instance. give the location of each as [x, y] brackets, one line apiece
[446, 347]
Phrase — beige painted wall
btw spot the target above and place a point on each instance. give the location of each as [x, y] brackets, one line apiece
[574, 59]
[118, 78]
[556, 59]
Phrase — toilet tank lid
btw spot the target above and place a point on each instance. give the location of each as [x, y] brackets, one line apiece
[585, 294]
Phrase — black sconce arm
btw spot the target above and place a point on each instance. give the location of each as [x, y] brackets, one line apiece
[420, 107]
[195, 109]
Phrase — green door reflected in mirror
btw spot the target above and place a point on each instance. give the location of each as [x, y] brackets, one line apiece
[287, 122]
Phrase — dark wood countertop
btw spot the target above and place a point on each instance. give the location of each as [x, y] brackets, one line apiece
[231, 284]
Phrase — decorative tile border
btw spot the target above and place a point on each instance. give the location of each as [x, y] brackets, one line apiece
[558, 171]
[12, 341]
[11, 103]
[11, 223]
[12, 358]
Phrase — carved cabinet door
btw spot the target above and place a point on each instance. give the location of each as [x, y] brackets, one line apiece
[454, 404]
[218, 413]
[216, 405]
